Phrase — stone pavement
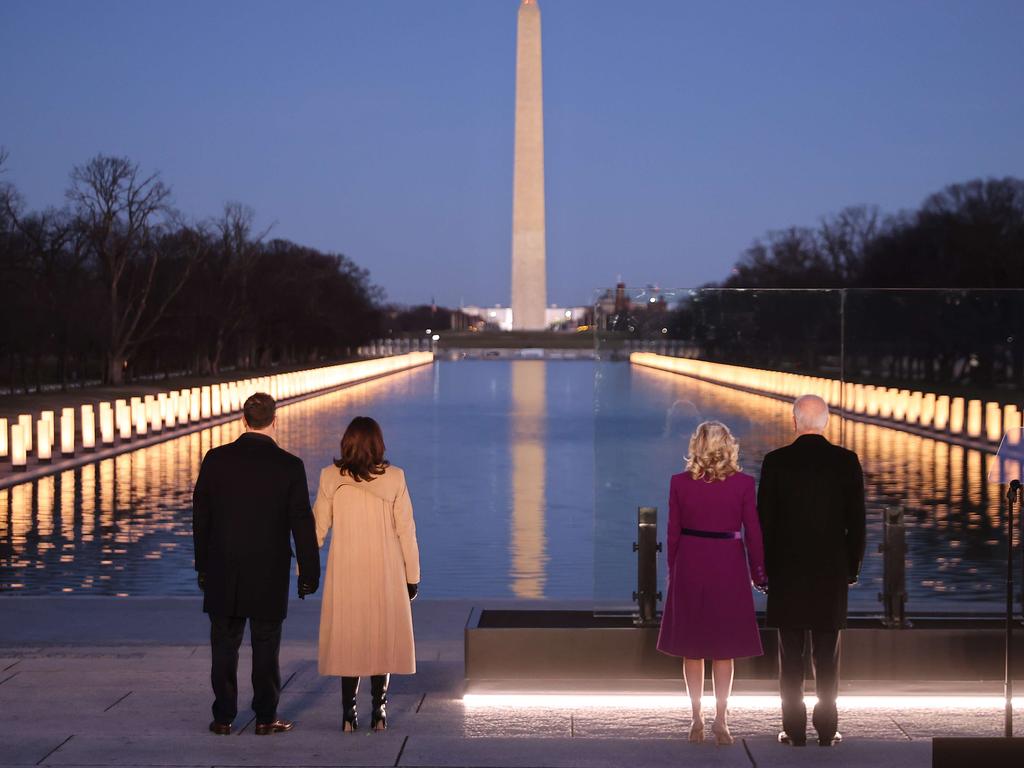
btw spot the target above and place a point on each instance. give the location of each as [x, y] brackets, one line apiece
[124, 682]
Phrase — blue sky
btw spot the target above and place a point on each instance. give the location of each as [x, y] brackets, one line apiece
[675, 131]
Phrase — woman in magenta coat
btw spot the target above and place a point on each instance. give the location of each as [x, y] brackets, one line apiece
[709, 609]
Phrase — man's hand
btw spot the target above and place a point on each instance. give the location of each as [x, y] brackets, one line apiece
[308, 587]
[201, 580]
[413, 591]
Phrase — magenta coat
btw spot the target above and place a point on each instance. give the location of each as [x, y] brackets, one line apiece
[709, 609]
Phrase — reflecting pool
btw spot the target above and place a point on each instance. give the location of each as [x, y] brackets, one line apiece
[525, 478]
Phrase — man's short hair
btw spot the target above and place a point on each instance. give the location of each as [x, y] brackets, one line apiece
[258, 410]
[810, 413]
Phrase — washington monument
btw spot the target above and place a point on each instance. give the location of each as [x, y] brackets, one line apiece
[529, 281]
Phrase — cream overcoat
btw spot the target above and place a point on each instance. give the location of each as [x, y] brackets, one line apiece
[365, 615]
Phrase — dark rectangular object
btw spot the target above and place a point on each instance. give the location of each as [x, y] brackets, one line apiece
[590, 645]
[978, 753]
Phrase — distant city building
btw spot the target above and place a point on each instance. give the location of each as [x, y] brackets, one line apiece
[615, 308]
[559, 318]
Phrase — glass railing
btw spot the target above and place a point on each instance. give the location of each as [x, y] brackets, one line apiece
[922, 385]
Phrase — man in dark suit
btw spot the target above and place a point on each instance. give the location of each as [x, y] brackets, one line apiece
[811, 505]
[250, 498]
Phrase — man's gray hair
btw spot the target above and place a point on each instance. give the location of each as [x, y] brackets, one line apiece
[810, 413]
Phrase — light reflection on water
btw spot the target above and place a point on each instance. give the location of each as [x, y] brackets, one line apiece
[525, 478]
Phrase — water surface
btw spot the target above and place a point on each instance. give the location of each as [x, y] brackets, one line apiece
[525, 478]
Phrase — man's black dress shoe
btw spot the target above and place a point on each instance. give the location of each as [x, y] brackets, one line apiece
[784, 738]
[221, 729]
[830, 742]
[278, 726]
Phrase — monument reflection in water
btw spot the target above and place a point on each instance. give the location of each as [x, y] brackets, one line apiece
[525, 478]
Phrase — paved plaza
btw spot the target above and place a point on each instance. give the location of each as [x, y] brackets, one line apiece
[100, 681]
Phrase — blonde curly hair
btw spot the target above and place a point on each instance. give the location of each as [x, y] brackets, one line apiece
[714, 452]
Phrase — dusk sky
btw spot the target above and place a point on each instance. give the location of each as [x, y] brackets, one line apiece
[676, 131]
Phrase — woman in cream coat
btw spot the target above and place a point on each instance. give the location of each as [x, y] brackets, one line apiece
[373, 570]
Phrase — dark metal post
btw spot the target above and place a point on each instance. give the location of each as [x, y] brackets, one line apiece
[894, 571]
[647, 548]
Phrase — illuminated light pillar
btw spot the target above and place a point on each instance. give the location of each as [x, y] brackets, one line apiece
[204, 403]
[19, 453]
[914, 408]
[184, 406]
[151, 409]
[859, 405]
[43, 446]
[47, 416]
[974, 418]
[849, 396]
[993, 422]
[67, 432]
[193, 411]
[171, 413]
[941, 413]
[900, 404]
[25, 422]
[885, 402]
[163, 406]
[139, 416]
[134, 415]
[956, 416]
[1011, 419]
[835, 399]
[235, 403]
[928, 410]
[88, 428]
[106, 424]
[215, 400]
[124, 420]
[4, 438]
[529, 258]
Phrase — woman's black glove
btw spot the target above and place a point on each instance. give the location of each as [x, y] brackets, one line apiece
[413, 590]
[201, 580]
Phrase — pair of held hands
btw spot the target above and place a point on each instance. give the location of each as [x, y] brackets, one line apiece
[762, 587]
[307, 587]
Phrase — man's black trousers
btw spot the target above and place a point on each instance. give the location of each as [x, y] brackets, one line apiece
[225, 640]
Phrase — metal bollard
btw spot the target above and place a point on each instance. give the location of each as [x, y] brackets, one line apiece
[647, 548]
[894, 572]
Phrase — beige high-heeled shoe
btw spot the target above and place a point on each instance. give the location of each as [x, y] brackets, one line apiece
[697, 731]
[722, 736]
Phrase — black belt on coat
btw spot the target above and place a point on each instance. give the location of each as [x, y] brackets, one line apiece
[711, 534]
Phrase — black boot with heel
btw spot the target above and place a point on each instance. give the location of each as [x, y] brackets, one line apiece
[379, 690]
[349, 689]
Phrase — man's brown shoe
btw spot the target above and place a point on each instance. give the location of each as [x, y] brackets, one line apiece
[278, 726]
[221, 729]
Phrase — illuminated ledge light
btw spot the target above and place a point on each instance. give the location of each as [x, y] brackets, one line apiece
[736, 702]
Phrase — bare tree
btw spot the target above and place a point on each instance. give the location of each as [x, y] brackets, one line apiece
[236, 254]
[124, 217]
[845, 238]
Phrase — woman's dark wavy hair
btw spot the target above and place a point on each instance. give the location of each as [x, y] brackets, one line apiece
[362, 450]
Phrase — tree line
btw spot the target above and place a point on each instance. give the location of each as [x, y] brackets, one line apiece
[964, 246]
[117, 284]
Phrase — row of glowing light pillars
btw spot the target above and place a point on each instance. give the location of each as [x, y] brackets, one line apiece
[941, 414]
[136, 417]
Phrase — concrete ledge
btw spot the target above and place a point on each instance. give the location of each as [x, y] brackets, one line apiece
[586, 645]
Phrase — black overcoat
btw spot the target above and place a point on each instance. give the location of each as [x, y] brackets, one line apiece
[811, 505]
[250, 500]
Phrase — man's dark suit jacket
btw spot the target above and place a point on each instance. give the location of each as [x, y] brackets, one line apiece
[811, 505]
[250, 498]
